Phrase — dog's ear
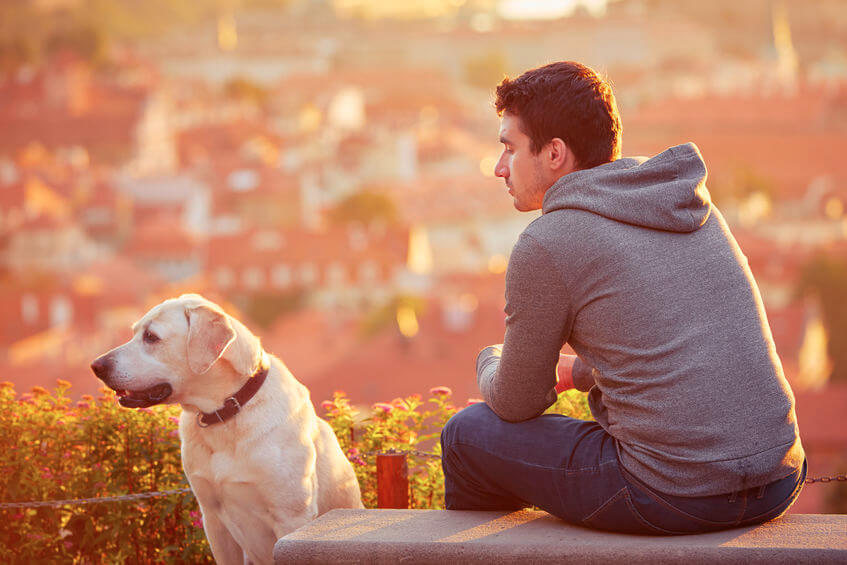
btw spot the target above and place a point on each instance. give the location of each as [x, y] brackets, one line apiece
[209, 334]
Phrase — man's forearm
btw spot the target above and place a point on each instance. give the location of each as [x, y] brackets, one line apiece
[582, 375]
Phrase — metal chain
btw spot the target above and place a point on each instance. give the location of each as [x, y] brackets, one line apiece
[393, 451]
[82, 501]
[156, 494]
[839, 478]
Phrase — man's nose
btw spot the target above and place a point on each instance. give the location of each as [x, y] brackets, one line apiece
[501, 170]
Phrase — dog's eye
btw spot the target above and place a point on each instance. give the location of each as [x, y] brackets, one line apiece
[150, 337]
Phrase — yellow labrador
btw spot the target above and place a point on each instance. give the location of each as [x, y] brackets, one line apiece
[259, 460]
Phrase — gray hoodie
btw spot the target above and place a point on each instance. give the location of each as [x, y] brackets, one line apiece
[633, 266]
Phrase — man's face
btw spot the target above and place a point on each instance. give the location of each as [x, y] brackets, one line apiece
[519, 167]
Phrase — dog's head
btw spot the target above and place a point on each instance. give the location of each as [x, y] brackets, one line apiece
[185, 350]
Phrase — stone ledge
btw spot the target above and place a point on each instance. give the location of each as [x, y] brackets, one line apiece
[449, 536]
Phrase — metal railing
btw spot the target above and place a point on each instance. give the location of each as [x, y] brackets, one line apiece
[392, 479]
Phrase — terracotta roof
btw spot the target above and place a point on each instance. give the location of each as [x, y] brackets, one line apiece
[162, 236]
[267, 247]
[787, 140]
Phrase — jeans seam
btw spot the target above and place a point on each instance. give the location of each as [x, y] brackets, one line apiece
[593, 469]
[624, 493]
[670, 507]
[792, 497]
[523, 462]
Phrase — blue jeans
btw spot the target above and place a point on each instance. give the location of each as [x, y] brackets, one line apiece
[570, 468]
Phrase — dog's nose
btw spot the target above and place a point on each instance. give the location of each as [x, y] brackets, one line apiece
[101, 367]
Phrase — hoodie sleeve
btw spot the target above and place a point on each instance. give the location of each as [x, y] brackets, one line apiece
[518, 379]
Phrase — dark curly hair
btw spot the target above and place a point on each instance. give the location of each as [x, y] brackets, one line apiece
[566, 100]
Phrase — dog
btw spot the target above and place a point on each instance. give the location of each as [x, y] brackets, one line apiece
[259, 460]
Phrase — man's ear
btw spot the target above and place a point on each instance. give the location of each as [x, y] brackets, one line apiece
[560, 157]
[209, 334]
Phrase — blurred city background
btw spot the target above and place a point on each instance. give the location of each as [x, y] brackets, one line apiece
[324, 170]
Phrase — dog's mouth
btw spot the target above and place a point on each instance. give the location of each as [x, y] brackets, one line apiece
[144, 398]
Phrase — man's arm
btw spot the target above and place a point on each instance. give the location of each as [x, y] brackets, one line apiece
[518, 379]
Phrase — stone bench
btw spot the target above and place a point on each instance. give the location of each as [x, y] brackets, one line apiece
[465, 537]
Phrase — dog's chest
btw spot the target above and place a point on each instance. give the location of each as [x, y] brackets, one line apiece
[218, 462]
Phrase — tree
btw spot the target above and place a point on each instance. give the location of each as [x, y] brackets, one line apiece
[487, 70]
[241, 88]
[364, 208]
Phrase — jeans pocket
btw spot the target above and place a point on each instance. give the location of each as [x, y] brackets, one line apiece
[793, 484]
[618, 514]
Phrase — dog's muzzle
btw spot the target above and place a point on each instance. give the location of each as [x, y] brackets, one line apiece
[144, 398]
[102, 367]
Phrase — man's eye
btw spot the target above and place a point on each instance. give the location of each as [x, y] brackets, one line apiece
[150, 337]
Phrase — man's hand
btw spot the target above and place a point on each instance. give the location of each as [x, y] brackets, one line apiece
[565, 372]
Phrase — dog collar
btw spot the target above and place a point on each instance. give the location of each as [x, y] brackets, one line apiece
[234, 403]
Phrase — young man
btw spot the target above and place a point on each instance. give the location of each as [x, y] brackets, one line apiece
[633, 266]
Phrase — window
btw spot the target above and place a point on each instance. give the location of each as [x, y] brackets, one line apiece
[281, 276]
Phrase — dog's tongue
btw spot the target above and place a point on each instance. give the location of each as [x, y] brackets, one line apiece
[145, 398]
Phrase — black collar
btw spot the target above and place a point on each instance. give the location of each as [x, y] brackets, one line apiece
[234, 403]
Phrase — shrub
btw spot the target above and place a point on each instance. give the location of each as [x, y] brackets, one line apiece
[404, 424]
[52, 448]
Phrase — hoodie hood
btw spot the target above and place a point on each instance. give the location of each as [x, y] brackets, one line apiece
[666, 192]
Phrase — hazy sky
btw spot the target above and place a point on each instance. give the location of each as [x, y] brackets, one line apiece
[526, 9]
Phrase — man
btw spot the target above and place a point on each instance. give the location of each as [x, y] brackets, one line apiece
[633, 266]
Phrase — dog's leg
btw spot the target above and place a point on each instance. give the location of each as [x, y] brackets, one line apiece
[225, 549]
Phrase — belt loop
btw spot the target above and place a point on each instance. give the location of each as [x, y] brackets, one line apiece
[761, 492]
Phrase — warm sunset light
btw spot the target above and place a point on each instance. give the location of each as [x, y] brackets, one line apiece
[407, 321]
[815, 365]
[834, 208]
[227, 33]
[310, 118]
[420, 252]
[324, 170]
[487, 164]
[497, 263]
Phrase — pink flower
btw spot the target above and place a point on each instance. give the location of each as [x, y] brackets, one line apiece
[474, 401]
[386, 408]
[440, 391]
[399, 403]
[173, 419]
[83, 405]
[327, 405]
[196, 519]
